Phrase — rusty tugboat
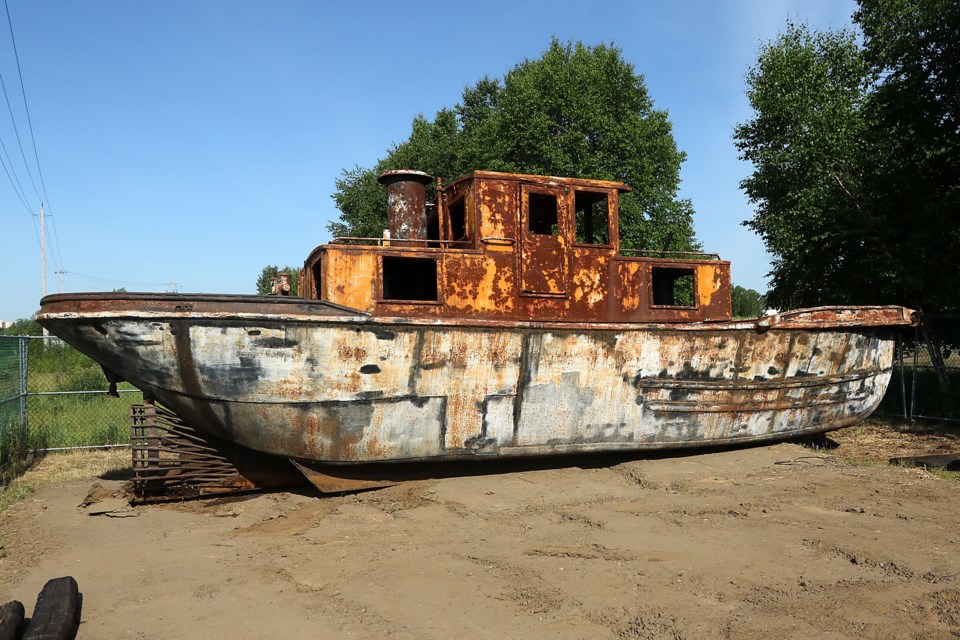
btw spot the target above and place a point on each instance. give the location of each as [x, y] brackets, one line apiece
[502, 320]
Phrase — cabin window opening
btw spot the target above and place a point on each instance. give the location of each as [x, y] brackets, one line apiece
[672, 287]
[433, 223]
[317, 271]
[411, 279]
[592, 214]
[542, 214]
[458, 219]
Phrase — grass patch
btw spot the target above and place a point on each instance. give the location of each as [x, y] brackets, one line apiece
[64, 419]
[943, 474]
[72, 420]
[65, 466]
[13, 493]
[15, 454]
[878, 440]
[59, 421]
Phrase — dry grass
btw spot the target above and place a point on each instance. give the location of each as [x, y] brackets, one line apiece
[65, 467]
[878, 440]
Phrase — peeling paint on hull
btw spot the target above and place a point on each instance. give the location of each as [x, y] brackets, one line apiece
[347, 388]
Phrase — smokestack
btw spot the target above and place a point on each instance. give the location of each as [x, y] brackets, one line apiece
[406, 195]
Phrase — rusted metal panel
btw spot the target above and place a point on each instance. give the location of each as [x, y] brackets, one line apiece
[865, 316]
[543, 239]
[591, 276]
[713, 290]
[481, 285]
[553, 181]
[113, 304]
[350, 278]
[497, 207]
[629, 289]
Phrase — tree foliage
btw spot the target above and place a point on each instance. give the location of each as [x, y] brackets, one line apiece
[854, 149]
[579, 111]
[269, 273]
[747, 303]
[23, 327]
[806, 143]
[913, 48]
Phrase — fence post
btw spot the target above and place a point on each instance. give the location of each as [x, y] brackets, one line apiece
[913, 381]
[903, 381]
[24, 359]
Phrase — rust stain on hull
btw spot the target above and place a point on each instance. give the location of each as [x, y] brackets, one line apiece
[400, 390]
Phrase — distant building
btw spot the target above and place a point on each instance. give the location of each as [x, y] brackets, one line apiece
[4, 324]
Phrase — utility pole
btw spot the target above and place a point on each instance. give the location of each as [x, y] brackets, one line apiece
[60, 273]
[43, 259]
[43, 253]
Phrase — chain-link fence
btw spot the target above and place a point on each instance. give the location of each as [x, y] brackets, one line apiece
[54, 397]
[926, 374]
[13, 398]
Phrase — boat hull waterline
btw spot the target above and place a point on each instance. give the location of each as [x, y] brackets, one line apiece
[318, 382]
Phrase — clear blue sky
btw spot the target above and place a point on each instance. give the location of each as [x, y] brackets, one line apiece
[194, 142]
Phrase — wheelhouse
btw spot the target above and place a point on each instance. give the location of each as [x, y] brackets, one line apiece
[513, 247]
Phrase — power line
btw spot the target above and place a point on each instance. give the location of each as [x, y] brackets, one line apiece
[56, 241]
[169, 287]
[12, 173]
[36, 232]
[112, 281]
[16, 185]
[23, 155]
[16, 130]
[23, 92]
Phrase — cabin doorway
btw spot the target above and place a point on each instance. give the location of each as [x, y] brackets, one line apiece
[543, 253]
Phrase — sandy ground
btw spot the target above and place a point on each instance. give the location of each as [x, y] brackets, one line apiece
[780, 541]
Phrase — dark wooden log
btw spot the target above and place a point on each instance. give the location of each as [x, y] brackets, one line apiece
[949, 462]
[11, 620]
[57, 614]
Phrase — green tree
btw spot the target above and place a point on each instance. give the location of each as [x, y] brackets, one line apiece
[747, 303]
[579, 111]
[269, 272]
[23, 327]
[856, 155]
[807, 141]
[913, 49]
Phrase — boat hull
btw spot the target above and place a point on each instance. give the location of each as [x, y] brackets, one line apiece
[334, 386]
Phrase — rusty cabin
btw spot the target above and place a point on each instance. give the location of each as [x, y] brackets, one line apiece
[513, 247]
